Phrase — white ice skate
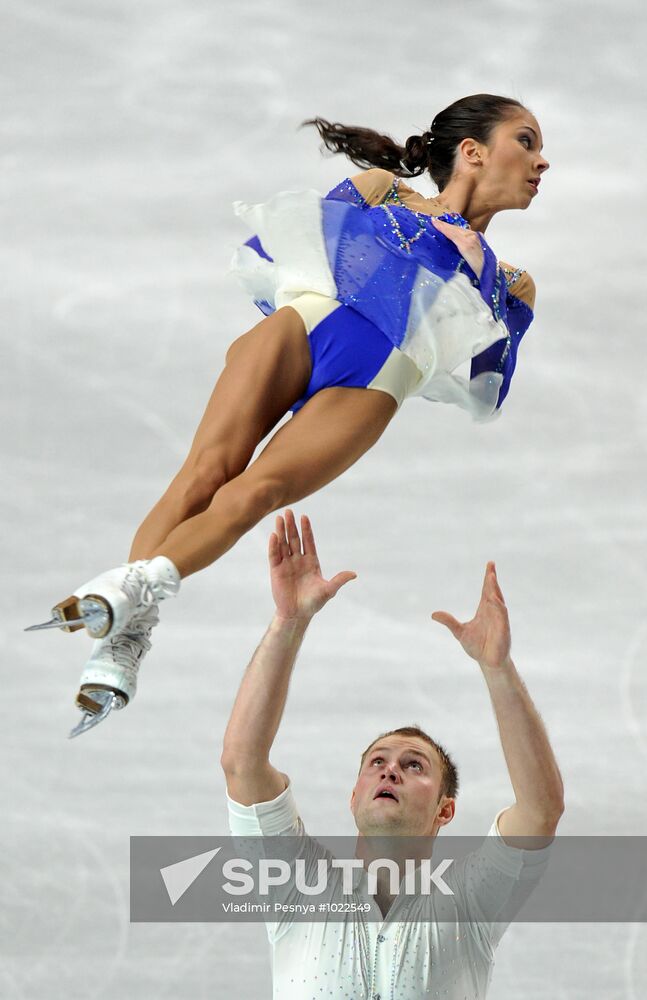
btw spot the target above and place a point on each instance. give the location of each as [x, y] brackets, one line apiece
[106, 604]
[109, 679]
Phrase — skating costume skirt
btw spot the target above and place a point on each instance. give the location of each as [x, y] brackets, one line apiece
[406, 288]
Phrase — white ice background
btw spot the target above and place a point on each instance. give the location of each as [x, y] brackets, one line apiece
[127, 129]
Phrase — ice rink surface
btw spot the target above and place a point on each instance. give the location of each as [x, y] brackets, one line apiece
[127, 131]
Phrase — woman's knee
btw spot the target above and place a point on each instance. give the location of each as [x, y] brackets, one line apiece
[249, 498]
[199, 480]
[234, 349]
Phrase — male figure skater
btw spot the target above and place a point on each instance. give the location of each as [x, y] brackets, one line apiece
[406, 787]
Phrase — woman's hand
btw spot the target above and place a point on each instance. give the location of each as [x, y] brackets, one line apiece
[466, 241]
[298, 587]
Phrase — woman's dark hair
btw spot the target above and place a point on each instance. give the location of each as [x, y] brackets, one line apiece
[472, 117]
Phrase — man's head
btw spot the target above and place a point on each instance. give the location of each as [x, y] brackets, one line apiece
[407, 784]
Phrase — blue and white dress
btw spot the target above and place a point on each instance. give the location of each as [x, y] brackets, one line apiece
[393, 267]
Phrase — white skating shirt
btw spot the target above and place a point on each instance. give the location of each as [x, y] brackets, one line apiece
[428, 955]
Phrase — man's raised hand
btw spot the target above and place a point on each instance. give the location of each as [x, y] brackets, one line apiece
[486, 638]
[298, 588]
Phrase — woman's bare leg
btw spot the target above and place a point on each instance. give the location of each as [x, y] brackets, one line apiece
[266, 371]
[335, 428]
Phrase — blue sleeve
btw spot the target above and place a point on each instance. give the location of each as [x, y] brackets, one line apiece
[501, 357]
[346, 191]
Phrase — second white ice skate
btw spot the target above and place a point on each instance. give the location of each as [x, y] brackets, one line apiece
[109, 679]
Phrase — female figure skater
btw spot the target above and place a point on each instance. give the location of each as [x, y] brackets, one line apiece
[371, 294]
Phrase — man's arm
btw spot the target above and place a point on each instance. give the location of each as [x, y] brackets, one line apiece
[299, 591]
[533, 770]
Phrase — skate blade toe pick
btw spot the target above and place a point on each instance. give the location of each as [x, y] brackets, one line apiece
[96, 705]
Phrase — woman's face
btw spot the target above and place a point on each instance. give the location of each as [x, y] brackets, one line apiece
[512, 163]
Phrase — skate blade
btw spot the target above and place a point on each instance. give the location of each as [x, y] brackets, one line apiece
[95, 709]
[91, 612]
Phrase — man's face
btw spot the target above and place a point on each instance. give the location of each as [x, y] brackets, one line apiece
[398, 790]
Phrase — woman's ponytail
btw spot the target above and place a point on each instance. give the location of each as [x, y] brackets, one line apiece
[367, 148]
[472, 117]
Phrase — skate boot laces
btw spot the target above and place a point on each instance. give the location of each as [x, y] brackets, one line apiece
[142, 588]
[128, 647]
[126, 650]
[140, 591]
